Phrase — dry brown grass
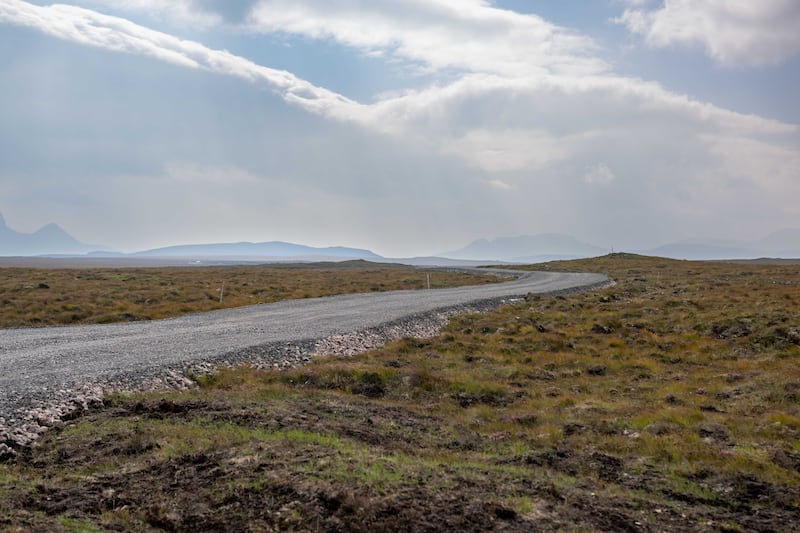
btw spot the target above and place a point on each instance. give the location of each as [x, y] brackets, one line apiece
[37, 297]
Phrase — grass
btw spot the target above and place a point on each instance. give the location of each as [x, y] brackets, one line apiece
[668, 402]
[38, 297]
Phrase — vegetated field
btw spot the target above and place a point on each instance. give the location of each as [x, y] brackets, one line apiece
[37, 297]
[669, 402]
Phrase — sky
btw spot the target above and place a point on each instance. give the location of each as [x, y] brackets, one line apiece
[408, 127]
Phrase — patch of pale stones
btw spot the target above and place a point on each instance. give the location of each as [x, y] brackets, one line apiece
[361, 341]
[29, 424]
[69, 403]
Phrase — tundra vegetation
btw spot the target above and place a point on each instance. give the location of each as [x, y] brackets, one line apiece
[670, 401]
[51, 296]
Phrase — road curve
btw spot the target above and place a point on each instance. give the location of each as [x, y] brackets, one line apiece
[34, 362]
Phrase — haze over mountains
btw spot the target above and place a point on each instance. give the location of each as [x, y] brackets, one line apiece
[552, 246]
[52, 240]
[258, 249]
[527, 249]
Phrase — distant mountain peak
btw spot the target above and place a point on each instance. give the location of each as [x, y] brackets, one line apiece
[51, 239]
[53, 229]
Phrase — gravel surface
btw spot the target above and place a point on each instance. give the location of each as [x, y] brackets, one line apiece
[54, 373]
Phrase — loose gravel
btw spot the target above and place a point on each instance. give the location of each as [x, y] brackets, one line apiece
[51, 375]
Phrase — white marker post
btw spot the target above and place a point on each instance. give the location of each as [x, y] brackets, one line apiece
[221, 291]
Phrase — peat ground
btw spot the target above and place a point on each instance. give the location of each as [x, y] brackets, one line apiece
[668, 402]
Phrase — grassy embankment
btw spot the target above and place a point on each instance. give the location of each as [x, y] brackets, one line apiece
[668, 402]
[37, 297]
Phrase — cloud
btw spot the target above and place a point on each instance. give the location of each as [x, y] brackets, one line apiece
[500, 185]
[733, 32]
[599, 174]
[530, 125]
[187, 12]
[506, 150]
[466, 35]
[202, 14]
[651, 155]
[194, 174]
[90, 28]
[766, 171]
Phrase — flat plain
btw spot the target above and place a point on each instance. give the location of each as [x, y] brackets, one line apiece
[670, 401]
[64, 296]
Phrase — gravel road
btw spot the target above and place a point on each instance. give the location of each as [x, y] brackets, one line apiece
[47, 373]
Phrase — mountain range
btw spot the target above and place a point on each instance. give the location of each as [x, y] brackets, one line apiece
[552, 246]
[52, 240]
[274, 249]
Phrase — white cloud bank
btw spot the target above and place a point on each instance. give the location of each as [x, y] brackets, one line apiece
[733, 32]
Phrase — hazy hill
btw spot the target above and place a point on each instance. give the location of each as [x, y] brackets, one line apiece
[49, 240]
[274, 249]
[527, 248]
[700, 250]
[784, 243]
[551, 246]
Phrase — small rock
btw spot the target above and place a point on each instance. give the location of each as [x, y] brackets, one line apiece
[671, 398]
[714, 431]
[572, 428]
[597, 370]
[6, 453]
[526, 420]
[630, 433]
[604, 330]
[502, 512]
